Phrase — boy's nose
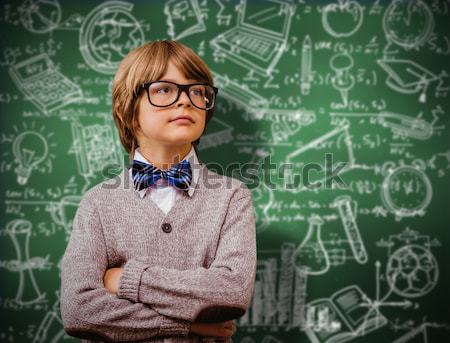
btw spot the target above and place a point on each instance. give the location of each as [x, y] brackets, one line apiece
[183, 99]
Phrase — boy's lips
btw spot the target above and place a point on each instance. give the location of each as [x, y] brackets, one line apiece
[183, 117]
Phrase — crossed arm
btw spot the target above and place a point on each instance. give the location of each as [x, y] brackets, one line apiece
[220, 329]
[142, 301]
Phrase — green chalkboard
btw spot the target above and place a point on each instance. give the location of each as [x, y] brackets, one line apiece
[336, 113]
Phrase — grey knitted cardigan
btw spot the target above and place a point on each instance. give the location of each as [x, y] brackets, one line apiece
[197, 263]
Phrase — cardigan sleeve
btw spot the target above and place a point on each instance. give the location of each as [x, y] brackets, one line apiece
[218, 293]
[89, 310]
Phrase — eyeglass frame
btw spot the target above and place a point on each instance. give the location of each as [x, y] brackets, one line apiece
[181, 88]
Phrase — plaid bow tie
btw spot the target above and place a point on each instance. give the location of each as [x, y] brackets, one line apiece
[145, 175]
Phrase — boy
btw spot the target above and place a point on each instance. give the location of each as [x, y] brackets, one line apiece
[166, 251]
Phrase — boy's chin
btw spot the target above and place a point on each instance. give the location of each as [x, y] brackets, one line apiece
[181, 141]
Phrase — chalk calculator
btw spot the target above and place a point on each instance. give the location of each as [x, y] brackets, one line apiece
[46, 87]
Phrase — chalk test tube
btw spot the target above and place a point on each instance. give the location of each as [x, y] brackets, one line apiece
[344, 206]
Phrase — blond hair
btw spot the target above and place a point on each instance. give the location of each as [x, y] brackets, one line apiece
[147, 63]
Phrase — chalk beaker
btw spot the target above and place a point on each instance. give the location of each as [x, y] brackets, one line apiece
[311, 254]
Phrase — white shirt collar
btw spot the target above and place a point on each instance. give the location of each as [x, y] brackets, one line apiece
[191, 157]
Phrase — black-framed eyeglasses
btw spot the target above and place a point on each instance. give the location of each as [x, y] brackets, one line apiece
[165, 93]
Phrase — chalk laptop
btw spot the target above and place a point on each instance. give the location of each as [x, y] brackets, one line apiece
[259, 39]
[46, 87]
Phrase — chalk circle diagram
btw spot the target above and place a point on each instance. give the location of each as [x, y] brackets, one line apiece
[40, 16]
[412, 271]
[107, 34]
[408, 23]
[342, 19]
[406, 191]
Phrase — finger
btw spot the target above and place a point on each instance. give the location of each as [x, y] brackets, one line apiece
[229, 323]
[233, 328]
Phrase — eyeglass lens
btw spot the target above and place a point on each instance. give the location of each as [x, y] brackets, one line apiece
[165, 94]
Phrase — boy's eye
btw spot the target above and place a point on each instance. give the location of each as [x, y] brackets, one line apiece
[197, 92]
[164, 90]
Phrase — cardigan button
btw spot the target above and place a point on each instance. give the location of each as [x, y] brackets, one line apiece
[166, 227]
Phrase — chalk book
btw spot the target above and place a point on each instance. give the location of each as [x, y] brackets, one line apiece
[346, 314]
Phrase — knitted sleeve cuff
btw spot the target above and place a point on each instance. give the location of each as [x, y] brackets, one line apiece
[130, 280]
[174, 326]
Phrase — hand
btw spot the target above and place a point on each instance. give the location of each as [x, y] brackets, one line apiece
[222, 329]
[111, 279]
